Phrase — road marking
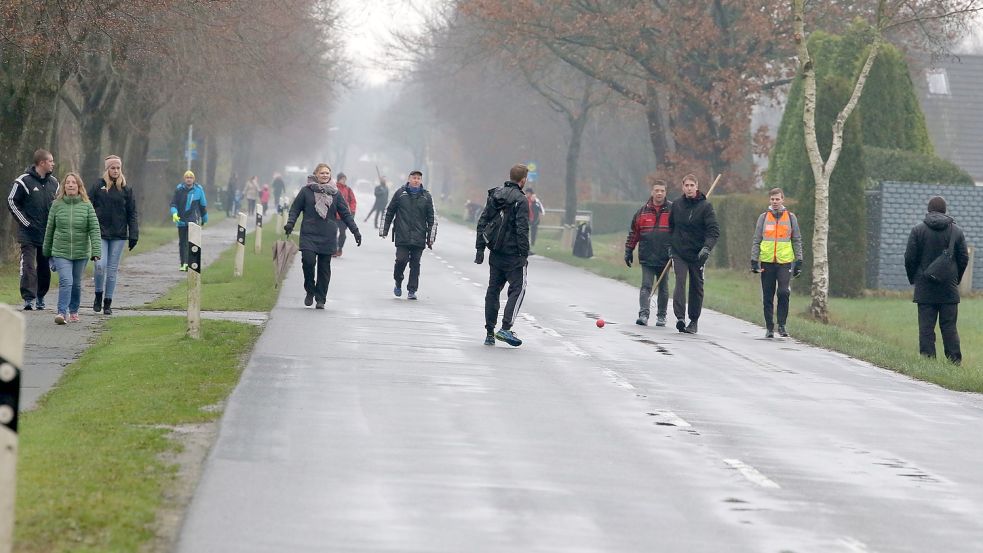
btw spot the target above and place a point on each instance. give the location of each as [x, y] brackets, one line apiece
[477, 284]
[438, 257]
[575, 350]
[752, 473]
[618, 379]
[668, 418]
[450, 266]
[854, 545]
[458, 273]
[466, 278]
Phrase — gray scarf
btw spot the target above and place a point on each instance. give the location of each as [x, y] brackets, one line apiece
[323, 195]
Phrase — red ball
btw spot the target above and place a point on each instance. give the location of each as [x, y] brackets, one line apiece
[600, 323]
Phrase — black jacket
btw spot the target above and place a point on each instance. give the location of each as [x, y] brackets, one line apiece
[29, 201]
[381, 196]
[318, 234]
[117, 211]
[510, 197]
[694, 225]
[926, 242]
[415, 222]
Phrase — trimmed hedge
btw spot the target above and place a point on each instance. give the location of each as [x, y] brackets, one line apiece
[901, 166]
[611, 217]
[737, 215]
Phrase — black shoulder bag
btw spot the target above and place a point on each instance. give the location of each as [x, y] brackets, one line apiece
[943, 270]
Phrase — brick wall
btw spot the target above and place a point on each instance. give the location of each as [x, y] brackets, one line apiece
[893, 208]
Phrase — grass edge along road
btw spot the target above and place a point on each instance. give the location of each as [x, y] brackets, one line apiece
[91, 476]
[221, 290]
[880, 330]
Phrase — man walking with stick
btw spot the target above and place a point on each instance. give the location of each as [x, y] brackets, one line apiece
[694, 234]
[650, 231]
[776, 253]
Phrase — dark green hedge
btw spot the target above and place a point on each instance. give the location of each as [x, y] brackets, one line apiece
[737, 215]
[899, 165]
[611, 217]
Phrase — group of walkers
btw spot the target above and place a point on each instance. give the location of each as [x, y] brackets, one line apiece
[253, 194]
[63, 227]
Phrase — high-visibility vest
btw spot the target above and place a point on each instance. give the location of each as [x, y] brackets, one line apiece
[776, 239]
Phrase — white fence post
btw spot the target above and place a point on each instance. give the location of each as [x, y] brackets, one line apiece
[259, 229]
[241, 246]
[11, 359]
[194, 281]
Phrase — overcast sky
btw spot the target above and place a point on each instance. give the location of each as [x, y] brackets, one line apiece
[368, 24]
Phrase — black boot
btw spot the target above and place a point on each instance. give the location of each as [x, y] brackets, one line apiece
[97, 305]
[107, 306]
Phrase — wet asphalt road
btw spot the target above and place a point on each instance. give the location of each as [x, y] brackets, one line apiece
[382, 424]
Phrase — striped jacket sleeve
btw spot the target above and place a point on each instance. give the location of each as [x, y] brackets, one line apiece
[15, 200]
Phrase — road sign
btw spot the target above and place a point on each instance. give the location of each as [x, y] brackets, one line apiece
[533, 171]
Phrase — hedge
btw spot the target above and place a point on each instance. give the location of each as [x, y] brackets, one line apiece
[901, 166]
[608, 217]
[737, 215]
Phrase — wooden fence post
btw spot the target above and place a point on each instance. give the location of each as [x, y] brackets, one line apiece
[194, 281]
[241, 246]
[259, 229]
[11, 359]
[966, 285]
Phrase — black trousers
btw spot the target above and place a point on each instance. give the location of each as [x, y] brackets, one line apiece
[776, 276]
[515, 276]
[533, 230]
[649, 274]
[694, 272]
[946, 315]
[182, 244]
[317, 273]
[411, 255]
[35, 275]
[378, 211]
[342, 234]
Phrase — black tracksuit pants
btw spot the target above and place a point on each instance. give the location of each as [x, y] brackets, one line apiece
[946, 314]
[317, 273]
[35, 275]
[694, 272]
[776, 276]
[512, 271]
[411, 255]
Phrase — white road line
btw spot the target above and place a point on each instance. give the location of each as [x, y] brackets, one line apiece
[458, 273]
[478, 284]
[668, 418]
[450, 266]
[575, 350]
[854, 545]
[552, 332]
[752, 474]
[438, 257]
[618, 379]
[466, 278]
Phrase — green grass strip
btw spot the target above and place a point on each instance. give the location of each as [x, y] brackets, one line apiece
[90, 474]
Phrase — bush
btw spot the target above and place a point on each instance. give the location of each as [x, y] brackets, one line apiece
[608, 217]
[737, 215]
[898, 165]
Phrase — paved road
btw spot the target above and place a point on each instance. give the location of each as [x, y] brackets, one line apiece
[384, 425]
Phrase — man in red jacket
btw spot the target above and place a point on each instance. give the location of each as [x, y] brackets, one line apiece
[349, 196]
[650, 232]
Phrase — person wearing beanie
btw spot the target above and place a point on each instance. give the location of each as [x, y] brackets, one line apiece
[188, 206]
[116, 209]
[346, 192]
[935, 260]
[776, 253]
[411, 216]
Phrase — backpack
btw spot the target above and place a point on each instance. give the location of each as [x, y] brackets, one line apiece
[942, 269]
[494, 232]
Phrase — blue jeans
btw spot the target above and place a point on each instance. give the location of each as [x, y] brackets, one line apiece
[108, 266]
[70, 273]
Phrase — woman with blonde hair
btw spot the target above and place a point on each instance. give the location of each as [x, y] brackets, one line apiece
[71, 239]
[116, 209]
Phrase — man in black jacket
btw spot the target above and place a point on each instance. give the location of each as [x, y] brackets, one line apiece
[650, 231]
[378, 210]
[415, 227]
[694, 233]
[504, 229]
[29, 201]
[936, 300]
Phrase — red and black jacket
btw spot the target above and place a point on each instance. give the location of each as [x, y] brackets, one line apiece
[650, 231]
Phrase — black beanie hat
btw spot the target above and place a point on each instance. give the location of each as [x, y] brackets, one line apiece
[937, 204]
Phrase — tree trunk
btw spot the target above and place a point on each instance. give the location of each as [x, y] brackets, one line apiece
[577, 126]
[659, 131]
[211, 159]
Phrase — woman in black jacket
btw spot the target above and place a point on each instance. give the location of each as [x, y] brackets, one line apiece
[116, 209]
[937, 301]
[320, 203]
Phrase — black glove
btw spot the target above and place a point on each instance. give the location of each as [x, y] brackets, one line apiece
[629, 257]
[755, 266]
[479, 257]
[94, 258]
[288, 229]
[704, 254]
[797, 268]
[133, 243]
[358, 239]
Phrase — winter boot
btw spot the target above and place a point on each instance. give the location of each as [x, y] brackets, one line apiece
[643, 319]
[769, 333]
[660, 320]
[97, 305]
[107, 306]
[681, 325]
[691, 328]
[782, 332]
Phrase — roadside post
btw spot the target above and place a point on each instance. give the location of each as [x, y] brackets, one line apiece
[11, 359]
[259, 229]
[241, 245]
[194, 281]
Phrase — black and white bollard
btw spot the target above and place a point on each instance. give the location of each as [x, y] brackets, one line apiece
[241, 246]
[11, 359]
[259, 229]
[194, 281]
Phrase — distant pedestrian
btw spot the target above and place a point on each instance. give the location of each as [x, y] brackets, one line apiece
[29, 200]
[188, 206]
[251, 193]
[378, 210]
[346, 192]
[536, 211]
[503, 228]
[264, 197]
[935, 260]
[776, 253]
[412, 217]
[650, 231]
[230, 195]
[278, 188]
[321, 205]
[116, 209]
[694, 233]
[71, 239]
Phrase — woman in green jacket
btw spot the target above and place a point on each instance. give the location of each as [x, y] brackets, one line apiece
[70, 241]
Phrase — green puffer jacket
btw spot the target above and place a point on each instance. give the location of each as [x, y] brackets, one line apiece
[73, 230]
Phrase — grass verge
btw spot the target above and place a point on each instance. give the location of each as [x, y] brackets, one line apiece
[222, 291]
[90, 474]
[880, 329]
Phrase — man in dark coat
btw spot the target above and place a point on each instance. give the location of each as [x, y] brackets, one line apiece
[504, 229]
[650, 232]
[694, 233]
[29, 201]
[322, 207]
[937, 301]
[378, 210]
[413, 220]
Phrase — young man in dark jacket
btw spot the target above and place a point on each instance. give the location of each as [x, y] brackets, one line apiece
[29, 200]
[936, 300]
[650, 231]
[412, 217]
[504, 229]
[378, 210]
[694, 233]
